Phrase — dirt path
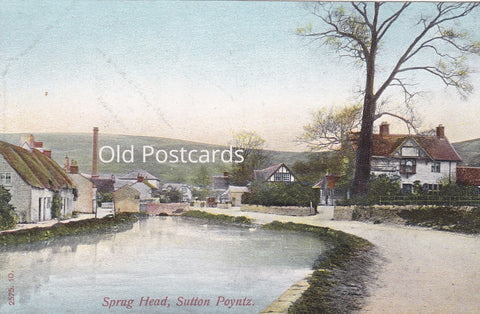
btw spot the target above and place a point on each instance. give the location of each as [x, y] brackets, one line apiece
[420, 270]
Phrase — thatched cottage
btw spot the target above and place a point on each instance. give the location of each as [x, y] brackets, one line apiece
[33, 179]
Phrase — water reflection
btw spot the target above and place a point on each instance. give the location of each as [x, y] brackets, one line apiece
[159, 257]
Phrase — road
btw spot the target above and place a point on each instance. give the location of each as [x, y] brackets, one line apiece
[419, 270]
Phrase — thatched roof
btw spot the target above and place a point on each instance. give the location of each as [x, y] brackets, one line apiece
[35, 168]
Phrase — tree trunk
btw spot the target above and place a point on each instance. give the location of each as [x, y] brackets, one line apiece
[363, 156]
[364, 150]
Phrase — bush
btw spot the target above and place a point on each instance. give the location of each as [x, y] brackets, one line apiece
[280, 194]
[56, 208]
[379, 188]
[8, 219]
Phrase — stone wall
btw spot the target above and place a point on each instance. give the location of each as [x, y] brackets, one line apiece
[378, 213]
[280, 210]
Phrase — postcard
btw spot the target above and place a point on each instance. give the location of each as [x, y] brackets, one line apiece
[154, 155]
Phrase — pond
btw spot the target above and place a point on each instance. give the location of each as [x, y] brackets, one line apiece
[162, 264]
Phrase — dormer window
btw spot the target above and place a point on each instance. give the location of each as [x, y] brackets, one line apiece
[408, 166]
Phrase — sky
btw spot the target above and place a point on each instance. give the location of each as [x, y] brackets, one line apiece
[191, 70]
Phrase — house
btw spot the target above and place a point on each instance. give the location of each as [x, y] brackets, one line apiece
[147, 190]
[185, 190]
[133, 176]
[86, 201]
[276, 173]
[468, 176]
[410, 158]
[126, 199]
[34, 179]
[326, 188]
[234, 194]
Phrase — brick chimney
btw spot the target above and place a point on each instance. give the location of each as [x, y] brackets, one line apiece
[440, 131]
[66, 164]
[31, 140]
[74, 167]
[140, 178]
[95, 153]
[47, 152]
[384, 129]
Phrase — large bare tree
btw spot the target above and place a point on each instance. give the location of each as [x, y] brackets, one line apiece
[359, 30]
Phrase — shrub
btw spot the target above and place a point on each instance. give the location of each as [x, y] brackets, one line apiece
[379, 188]
[8, 219]
[280, 194]
[56, 208]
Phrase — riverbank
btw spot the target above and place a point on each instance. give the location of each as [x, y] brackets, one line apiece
[76, 226]
[338, 282]
[418, 270]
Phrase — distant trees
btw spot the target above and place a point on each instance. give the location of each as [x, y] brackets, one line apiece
[255, 157]
[432, 45]
[8, 219]
[202, 177]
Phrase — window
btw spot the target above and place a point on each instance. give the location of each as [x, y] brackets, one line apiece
[408, 166]
[5, 178]
[436, 166]
[286, 177]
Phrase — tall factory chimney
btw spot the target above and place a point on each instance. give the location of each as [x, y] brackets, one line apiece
[95, 153]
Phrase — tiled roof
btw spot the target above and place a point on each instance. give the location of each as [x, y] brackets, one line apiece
[103, 184]
[263, 174]
[438, 148]
[468, 176]
[35, 168]
[220, 182]
[328, 182]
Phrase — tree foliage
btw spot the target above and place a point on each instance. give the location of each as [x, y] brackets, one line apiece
[329, 128]
[434, 46]
[203, 177]
[255, 157]
[171, 196]
[8, 218]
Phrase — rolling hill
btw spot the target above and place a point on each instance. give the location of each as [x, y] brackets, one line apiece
[79, 148]
[469, 151]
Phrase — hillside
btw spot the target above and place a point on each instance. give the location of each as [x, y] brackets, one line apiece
[469, 151]
[79, 148]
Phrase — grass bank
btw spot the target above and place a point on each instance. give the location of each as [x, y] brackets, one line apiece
[122, 221]
[338, 282]
[219, 217]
